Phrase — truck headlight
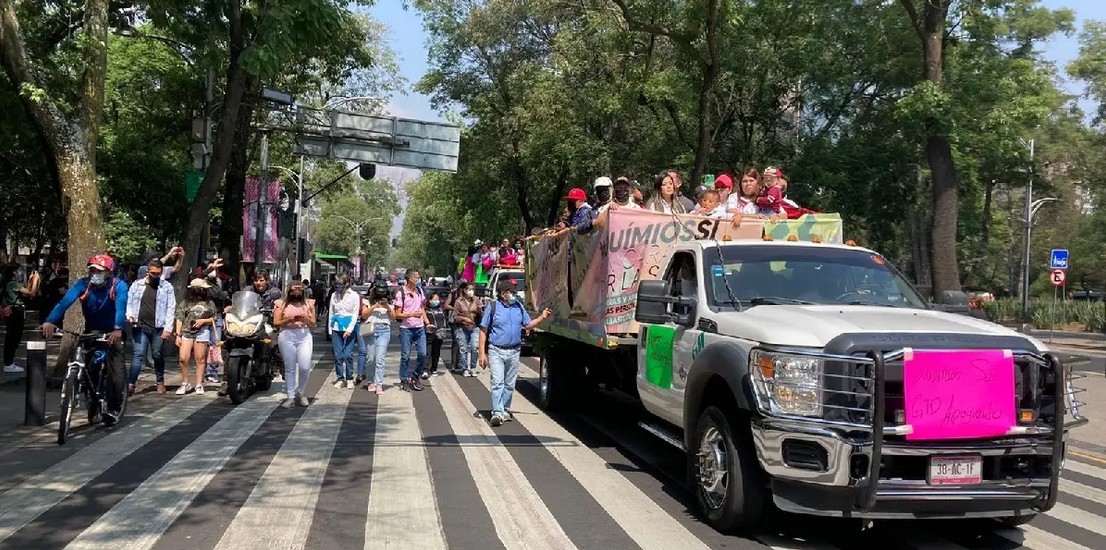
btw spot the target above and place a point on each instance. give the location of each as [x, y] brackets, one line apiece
[788, 384]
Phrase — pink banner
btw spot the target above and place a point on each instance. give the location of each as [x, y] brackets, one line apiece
[959, 394]
[269, 206]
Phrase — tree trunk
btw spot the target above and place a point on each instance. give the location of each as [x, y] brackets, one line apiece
[230, 232]
[199, 211]
[930, 26]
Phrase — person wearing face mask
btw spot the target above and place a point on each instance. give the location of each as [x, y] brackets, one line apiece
[501, 343]
[294, 317]
[623, 195]
[103, 301]
[580, 214]
[466, 310]
[345, 307]
[436, 331]
[410, 310]
[602, 187]
[151, 307]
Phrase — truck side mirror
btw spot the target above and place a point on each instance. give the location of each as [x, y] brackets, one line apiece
[652, 305]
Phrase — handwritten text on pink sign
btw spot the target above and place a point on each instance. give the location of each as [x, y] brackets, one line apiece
[959, 394]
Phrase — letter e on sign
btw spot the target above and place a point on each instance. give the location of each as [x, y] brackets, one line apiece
[1057, 277]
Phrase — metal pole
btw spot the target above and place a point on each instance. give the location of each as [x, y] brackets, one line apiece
[259, 240]
[1028, 230]
[209, 101]
[299, 218]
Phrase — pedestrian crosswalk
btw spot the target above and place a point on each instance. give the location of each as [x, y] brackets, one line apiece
[417, 471]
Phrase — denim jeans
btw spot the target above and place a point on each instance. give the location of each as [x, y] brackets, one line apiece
[468, 342]
[142, 340]
[362, 352]
[408, 336]
[344, 348]
[504, 365]
[379, 340]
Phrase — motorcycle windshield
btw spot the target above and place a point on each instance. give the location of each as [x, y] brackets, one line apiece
[245, 304]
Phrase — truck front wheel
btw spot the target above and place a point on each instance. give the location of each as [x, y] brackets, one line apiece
[727, 481]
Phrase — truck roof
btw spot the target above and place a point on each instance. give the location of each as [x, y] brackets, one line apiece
[704, 244]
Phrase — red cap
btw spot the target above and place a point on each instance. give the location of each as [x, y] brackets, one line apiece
[723, 182]
[577, 194]
[102, 261]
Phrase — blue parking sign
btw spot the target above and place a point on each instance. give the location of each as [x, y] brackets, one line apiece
[1059, 259]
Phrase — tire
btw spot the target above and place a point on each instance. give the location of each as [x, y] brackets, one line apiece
[69, 403]
[238, 386]
[1015, 521]
[552, 390]
[724, 474]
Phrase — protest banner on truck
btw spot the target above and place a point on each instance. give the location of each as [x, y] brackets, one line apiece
[590, 281]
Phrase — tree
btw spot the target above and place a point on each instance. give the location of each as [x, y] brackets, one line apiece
[70, 132]
[262, 39]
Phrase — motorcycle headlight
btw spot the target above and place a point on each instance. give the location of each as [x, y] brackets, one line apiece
[245, 327]
[787, 384]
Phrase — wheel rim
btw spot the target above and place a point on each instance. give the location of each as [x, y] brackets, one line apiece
[543, 380]
[712, 462]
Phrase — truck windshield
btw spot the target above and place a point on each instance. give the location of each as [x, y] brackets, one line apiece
[786, 275]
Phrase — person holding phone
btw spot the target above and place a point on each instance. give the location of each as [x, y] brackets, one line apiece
[294, 316]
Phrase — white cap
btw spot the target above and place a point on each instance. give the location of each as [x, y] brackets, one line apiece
[478, 242]
[603, 181]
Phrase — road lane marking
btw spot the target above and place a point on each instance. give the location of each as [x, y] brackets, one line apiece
[142, 517]
[279, 510]
[1038, 539]
[1078, 517]
[403, 508]
[521, 518]
[637, 514]
[1086, 456]
[22, 504]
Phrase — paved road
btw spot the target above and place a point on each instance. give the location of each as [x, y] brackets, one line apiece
[418, 471]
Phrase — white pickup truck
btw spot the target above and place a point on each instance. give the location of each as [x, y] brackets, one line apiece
[779, 367]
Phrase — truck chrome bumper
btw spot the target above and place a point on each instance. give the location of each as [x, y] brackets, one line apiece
[831, 489]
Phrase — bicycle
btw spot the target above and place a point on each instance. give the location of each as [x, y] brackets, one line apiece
[79, 384]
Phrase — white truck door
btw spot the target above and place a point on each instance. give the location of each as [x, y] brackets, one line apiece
[665, 351]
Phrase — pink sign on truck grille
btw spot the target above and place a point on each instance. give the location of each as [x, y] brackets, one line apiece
[959, 394]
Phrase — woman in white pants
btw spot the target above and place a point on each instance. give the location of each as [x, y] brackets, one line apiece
[294, 316]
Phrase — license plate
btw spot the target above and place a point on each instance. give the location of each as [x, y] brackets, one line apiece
[955, 470]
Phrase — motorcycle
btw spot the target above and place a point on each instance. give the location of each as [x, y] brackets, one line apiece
[247, 343]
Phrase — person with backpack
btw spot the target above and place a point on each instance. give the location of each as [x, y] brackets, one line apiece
[410, 311]
[501, 343]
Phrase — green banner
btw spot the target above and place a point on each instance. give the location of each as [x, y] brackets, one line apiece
[192, 181]
[658, 355]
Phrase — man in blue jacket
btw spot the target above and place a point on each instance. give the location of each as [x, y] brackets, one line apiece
[103, 299]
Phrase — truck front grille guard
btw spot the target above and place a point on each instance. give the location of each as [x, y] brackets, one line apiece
[854, 403]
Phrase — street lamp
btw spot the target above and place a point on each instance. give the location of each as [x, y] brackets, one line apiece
[357, 228]
[1031, 208]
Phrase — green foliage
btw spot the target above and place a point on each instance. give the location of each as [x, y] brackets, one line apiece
[1049, 313]
[127, 238]
[358, 218]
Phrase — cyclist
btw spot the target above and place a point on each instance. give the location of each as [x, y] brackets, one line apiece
[103, 299]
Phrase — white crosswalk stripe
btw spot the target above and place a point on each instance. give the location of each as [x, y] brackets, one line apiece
[30, 499]
[279, 508]
[402, 511]
[278, 512]
[164, 496]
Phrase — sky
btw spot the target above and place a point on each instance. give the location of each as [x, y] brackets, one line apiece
[408, 39]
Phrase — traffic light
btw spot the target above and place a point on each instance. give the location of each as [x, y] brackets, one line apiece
[366, 171]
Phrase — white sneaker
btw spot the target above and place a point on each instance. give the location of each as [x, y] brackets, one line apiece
[199, 390]
[185, 388]
[12, 369]
[340, 384]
